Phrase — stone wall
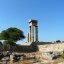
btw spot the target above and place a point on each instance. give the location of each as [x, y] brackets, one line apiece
[51, 47]
[51, 50]
[19, 48]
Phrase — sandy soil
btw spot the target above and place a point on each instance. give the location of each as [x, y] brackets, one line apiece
[43, 61]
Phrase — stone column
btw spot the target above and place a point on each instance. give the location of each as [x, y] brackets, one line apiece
[36, 33]
[28, 37]
[32, 33]
[29, 33]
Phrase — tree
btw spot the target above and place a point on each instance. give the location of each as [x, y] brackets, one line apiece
[8, 42]
[58, 41]
[4, 35]
[12, 34]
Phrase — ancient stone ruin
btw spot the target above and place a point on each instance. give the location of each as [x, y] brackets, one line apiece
[33, 24]
[33, 45]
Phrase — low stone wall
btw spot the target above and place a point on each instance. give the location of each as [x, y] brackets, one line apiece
[18, 48]
[59, 47]
[55, 48]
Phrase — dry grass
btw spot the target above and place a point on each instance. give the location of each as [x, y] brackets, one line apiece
[20, 62]
[56, 61]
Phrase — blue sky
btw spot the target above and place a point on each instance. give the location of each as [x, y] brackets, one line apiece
[49, 13]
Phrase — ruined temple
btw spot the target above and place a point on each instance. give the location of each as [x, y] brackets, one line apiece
[33, 28]
[34, 45]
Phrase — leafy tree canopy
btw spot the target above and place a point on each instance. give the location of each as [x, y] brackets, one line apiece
[12, 33]
[9, 42]
[58, 41]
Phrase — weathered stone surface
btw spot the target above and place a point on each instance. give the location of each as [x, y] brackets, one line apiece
[56, 48]
[5, 59]
[59, 47]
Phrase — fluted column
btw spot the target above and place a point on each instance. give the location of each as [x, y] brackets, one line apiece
[32, 33]
[28, 37]
[29, 33]
[36, 33]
